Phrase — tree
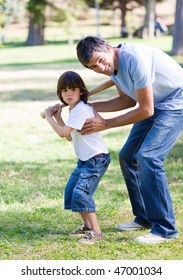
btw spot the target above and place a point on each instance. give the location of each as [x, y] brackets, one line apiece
[36, 9]
[62, 11]
[177, 48]
[149, 18]
[128, 5]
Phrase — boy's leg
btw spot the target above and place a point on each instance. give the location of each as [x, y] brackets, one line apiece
[90, 175]
[95, 234]
[90, 219]
[82, 199]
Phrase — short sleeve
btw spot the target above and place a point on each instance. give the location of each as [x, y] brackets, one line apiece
[142, 71]
[77, 117]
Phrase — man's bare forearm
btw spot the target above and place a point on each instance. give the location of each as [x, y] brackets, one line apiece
[113, 105]
[101, 87]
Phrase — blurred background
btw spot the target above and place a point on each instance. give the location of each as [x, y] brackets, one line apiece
[39, 22]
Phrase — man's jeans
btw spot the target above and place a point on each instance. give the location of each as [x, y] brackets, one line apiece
[141, 160]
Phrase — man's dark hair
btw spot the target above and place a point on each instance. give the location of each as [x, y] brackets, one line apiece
[87, 46]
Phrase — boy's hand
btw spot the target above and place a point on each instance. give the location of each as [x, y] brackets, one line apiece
[51, 111]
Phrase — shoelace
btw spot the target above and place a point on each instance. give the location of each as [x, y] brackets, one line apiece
[89, 235]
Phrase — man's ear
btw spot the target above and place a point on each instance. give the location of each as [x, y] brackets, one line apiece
[108, 47]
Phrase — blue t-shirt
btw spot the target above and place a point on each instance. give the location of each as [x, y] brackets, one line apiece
[141, 65]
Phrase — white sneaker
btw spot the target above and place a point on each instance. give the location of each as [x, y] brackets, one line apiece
[151, 238]
[129, 227]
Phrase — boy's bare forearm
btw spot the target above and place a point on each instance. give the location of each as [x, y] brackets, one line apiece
[59, 127]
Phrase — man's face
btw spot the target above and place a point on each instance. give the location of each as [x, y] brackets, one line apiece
[102, 62]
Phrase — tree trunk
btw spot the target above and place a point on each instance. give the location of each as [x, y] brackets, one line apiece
[177, 48]
[123, 18]
[36, 32]
[149, 19]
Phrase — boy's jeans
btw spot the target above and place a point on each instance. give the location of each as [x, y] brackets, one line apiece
[83, 183]
[141, 161]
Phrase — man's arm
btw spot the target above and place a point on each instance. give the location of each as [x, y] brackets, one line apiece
[143, 111]
[101, 87]
[119, 103]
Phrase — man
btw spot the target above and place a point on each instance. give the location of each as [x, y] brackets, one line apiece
[146, 77]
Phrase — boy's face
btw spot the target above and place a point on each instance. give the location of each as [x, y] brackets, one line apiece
[102, 62]
[71, 96]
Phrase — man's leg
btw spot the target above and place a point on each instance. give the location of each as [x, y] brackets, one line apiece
[129, 168]
[150, 160]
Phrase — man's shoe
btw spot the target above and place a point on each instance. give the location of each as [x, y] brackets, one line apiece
[151, 238]
[129, 227]
[91, 237]
[81, 231]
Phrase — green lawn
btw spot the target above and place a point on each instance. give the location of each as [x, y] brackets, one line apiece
[35, 165]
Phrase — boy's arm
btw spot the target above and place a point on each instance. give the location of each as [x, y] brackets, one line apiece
[55, 120]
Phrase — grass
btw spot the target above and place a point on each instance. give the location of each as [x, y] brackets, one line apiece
[35, 165]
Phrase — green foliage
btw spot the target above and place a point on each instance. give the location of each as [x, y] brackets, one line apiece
[10, 11]
[36, 9]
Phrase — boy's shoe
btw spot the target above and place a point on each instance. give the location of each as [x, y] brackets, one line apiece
[91, 237]
[151, 238]
[129, 227]
[81, 231]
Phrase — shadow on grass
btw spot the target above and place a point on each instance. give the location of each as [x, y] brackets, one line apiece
[28, 95]
[72, 60]
[44, 95]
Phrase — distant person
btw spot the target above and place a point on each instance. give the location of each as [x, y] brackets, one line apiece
[160, 28]
[152, 80]
[124, 33]
[93, 155]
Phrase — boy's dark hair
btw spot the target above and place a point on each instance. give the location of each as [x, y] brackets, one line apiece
[87, 46]
[71, 79]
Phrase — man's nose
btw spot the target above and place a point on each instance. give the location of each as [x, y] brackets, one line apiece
[99, 68]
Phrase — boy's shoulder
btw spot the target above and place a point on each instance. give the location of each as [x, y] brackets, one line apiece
[82, 106]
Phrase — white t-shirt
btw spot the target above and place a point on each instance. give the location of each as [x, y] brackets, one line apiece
[141, 65]
[85, 146]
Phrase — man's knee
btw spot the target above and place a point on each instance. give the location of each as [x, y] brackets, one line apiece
[124, 157]
[144, 158]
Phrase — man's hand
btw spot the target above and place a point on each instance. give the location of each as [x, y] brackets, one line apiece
[94, 125]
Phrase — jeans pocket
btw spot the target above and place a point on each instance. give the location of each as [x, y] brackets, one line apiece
[88, 182]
